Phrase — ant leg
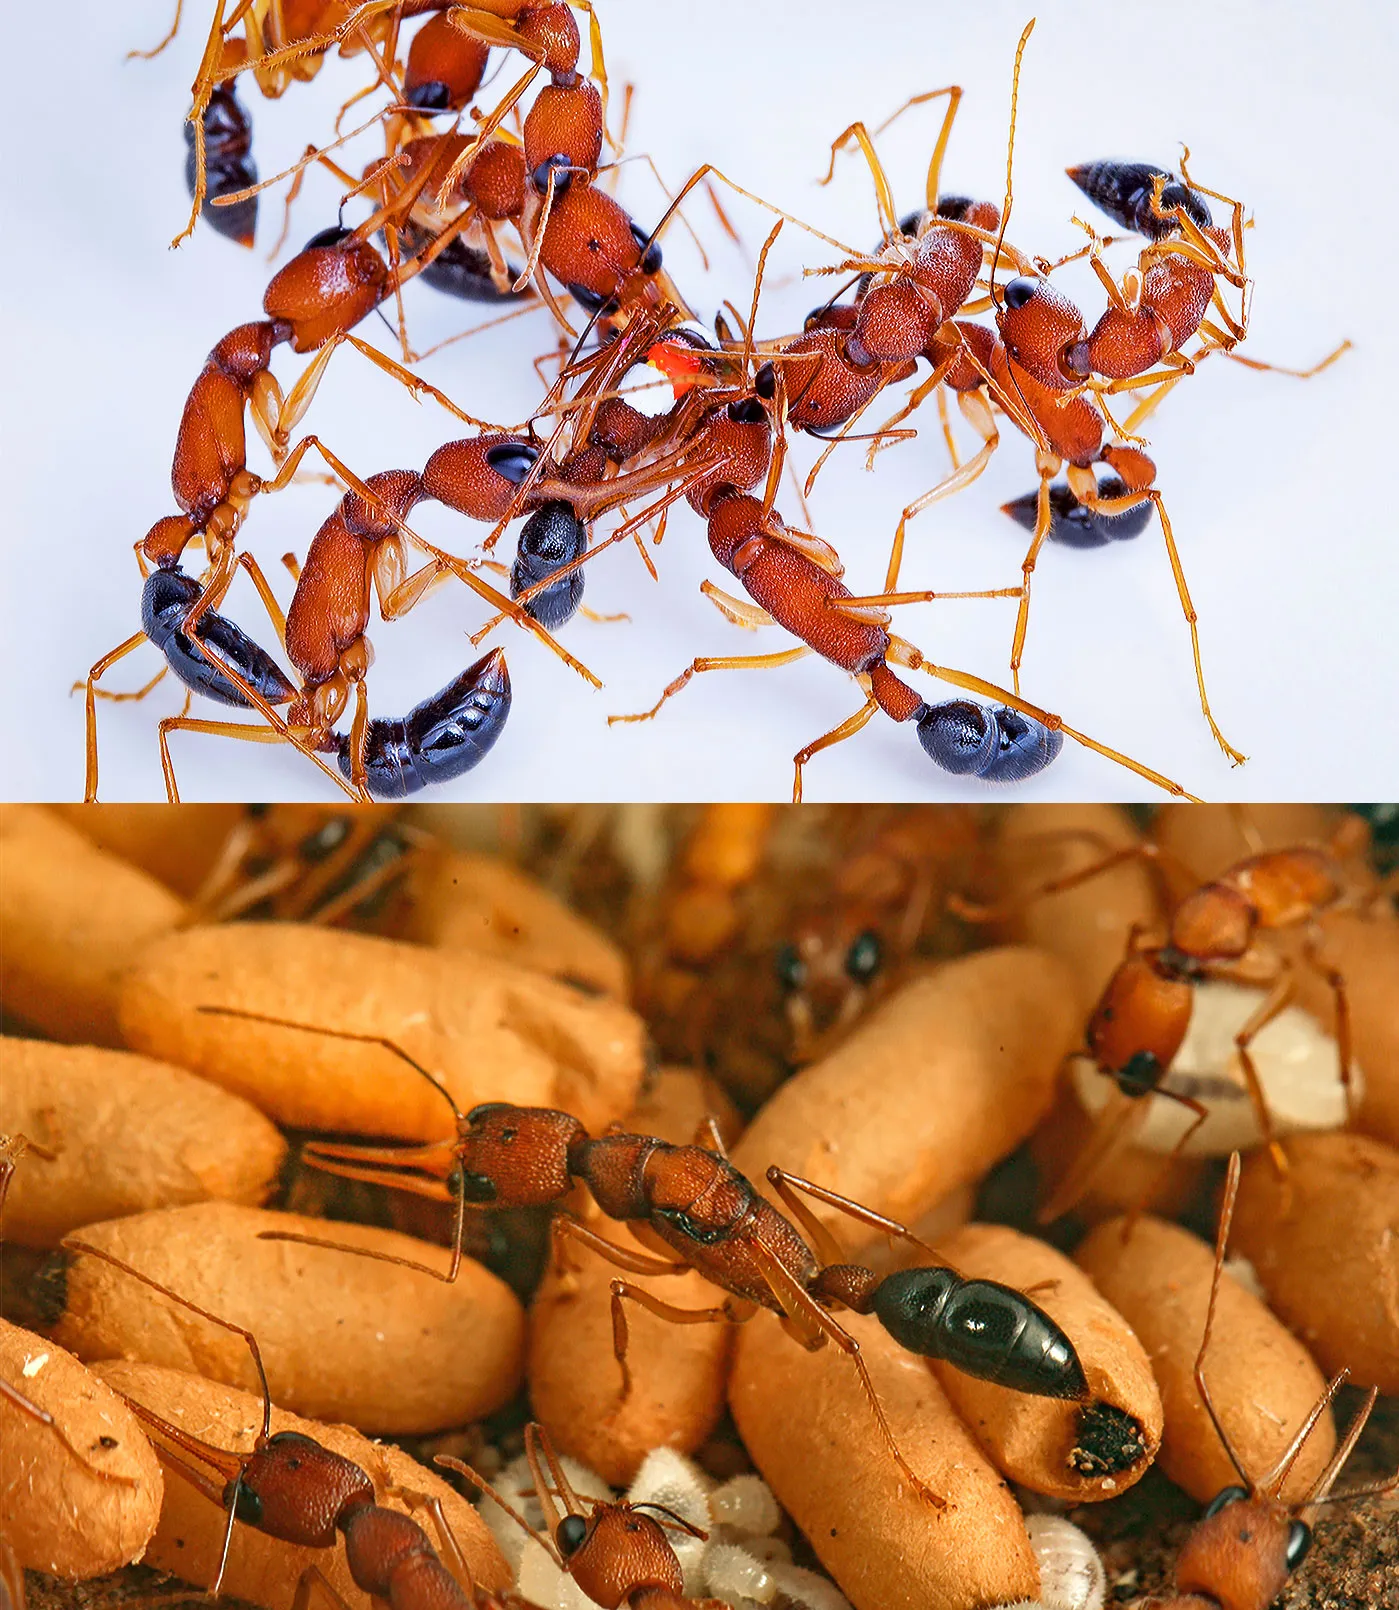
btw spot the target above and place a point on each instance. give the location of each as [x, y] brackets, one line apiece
[1337, 982]
[798, 1304]
[954, 99]
[149, 55]
[1268, 1008]
[888, 434]
[624, 1291]
[883, 190]
[310, 1579]
[976, 410]
[847, 729]
[99, 670]
[788, 1185]
[1120, 505]
[1294, 374]
[1158, 1179]
[747, 662]
[242, 731]
[1043, 520]
[564, 1227]
[1118, 1121]
[737, 610]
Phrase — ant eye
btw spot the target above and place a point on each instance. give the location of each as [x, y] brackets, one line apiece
[1139, 1076]
[1074, 360]
[650, 250]
[247, 1506]
[325, 840]
[540, 177]
[790, 969]
[512, 460]
[1299, 1542]
[749, 411]
[334, 236]
[1230, 1495]
[863, 959]
[571, 1533]
[765, 382]
[1019, 292]
[476, 1187]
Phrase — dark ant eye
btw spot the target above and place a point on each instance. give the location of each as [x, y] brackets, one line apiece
[562, 179]
[334, 236]
[512, 460]
[765, 382]
[1230, 1495]
[790, 969]
[1074, 360]
[1140, 1074]
[1019, 292]
[650, 250]
[433, 96]
[246, 1504]
[748, 412]
[571, 1533]
[862, 960]
[1299, 1543]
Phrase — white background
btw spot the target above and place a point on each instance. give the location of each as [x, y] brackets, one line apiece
[1282, 494]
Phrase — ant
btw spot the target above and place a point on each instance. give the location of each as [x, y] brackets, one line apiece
[293, 1488]
[619, 1557]
[1248, 1542]
[692, 1204]
[1142, 1017]
[847, 945]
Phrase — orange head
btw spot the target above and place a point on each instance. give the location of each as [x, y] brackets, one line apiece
[1139, 1024]
[516, 1156]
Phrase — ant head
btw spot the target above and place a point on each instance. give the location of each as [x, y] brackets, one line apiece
[1139, 1023]
[292, 1488]
[1243, 1550]
[614, 1550]
[516, 1156]
[1044, 332]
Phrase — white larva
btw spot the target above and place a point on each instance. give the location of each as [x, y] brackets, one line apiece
[1071, 1574]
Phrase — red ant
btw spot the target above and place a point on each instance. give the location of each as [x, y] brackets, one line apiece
[697, 1209]
[618, 1556]
[1141, 1019]
[1248, 1542]
[292, 1488]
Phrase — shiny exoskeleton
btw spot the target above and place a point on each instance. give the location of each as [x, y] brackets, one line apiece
[166, 600]
[552, 537]
[439, 739]
[1075, 524]
[1126, 192]
[229, 167]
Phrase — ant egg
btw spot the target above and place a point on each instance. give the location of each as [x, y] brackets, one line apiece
[1298, 1067]
[1071, 1574]
[746, 1503]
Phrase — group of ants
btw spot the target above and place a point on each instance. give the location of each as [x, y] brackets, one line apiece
[693, 1210]
[649, 407]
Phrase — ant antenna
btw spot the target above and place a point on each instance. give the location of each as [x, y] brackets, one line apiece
[1226, 1219]
[343, 1034]
[1010, 153]
[73, 1244]
[679, 1521]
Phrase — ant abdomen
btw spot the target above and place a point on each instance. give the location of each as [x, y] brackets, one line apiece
[1074, 523]
[1123, 190]
[981, 1328]
[228, 165]
[974, 740]
[439, 739]
[166, 599]
[552, 537]
[459, 270]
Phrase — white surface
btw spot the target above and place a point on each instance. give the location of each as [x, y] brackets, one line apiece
[1281, 493]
